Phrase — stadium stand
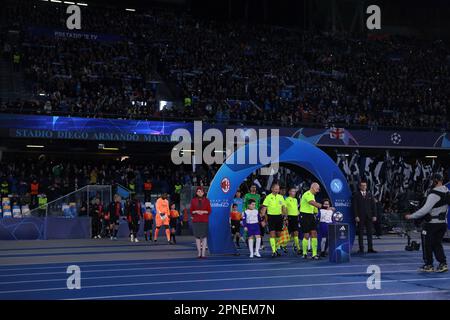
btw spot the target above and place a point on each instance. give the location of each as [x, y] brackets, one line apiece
[388, 178]
[224, 72]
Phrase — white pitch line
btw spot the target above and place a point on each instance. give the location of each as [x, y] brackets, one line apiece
[250, 288]
[374, 295]
[208, 265]
[150, 268]
[123, 264]
[157, 263]
[68, 251]
[206, 280]
[199, 273]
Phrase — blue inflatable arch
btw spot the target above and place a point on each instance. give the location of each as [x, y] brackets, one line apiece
[230, 176]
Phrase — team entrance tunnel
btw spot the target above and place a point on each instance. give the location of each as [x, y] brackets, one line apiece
[230, 176]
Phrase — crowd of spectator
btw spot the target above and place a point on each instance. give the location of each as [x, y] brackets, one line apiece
[229, 71]
[58, 177]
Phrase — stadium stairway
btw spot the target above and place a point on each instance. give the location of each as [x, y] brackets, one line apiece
[12, 84]
[166, 91]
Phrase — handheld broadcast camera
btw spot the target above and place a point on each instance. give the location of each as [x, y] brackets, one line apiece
[410, 202]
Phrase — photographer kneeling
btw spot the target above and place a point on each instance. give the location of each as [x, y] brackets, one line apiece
[434, 213]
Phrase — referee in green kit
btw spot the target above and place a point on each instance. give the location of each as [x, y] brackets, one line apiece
[308, 209]
[275, 206]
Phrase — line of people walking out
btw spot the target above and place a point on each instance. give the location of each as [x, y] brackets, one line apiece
[284, 215]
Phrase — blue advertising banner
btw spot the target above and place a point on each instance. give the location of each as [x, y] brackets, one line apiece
[31, 228]
[54, 127]
[369, 138]
[75, 128]
[339, 242]
[43, 228]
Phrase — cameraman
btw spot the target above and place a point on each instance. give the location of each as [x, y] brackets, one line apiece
[434, 213]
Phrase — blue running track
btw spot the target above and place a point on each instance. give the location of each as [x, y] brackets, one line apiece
[180, 276]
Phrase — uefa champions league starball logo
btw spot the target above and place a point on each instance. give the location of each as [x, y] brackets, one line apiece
[396, 138]
[337, 216]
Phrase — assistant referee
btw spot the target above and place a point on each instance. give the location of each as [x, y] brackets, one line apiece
[292, 211]
[275, 206]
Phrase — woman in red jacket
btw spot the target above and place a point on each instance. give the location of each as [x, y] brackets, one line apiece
[200, 210]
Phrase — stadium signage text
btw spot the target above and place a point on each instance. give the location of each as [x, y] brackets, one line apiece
[220, 203]
[74, 34]
[97, 136]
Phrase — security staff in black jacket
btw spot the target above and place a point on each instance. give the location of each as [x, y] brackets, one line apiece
[434, 214]
[365, 214]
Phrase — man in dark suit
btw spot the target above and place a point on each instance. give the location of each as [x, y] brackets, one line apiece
[365, 214]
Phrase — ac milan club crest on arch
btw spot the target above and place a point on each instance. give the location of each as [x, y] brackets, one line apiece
[225, 185]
